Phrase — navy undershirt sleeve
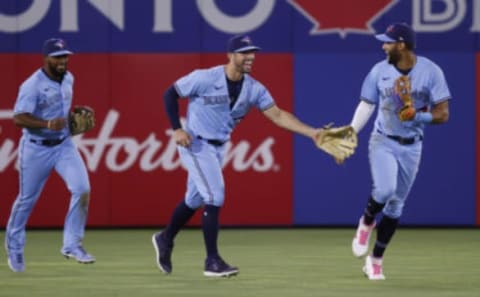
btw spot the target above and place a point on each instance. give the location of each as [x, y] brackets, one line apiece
[170, 99]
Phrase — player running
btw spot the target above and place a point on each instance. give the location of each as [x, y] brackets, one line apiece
[219, 98]
[396, 140]
[42, 109]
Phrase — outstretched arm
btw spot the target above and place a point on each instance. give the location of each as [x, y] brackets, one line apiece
[289, 122]
[338, 142]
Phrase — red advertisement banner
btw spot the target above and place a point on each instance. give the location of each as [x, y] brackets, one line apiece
[136, 176]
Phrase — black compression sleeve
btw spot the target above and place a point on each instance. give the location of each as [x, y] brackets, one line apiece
[170, 99]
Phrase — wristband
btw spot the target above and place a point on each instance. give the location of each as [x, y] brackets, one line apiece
[424, 117]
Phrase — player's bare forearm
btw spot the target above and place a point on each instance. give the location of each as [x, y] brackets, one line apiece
[440, 113]
[288, 121]
[27, 120]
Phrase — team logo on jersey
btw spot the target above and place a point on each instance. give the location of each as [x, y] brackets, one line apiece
[213, 100]
[342, 16]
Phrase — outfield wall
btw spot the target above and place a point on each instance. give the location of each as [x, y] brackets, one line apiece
[314, 57]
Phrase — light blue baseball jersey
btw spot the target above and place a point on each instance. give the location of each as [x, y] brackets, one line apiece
[45, 99]
[428, 86]
[209, 114]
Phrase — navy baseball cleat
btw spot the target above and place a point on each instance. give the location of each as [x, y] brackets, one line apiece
[164, 252]
[15, 262]
[216, 267]
[79, 254]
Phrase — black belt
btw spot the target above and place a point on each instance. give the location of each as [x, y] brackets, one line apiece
[48, 142]
[214, 142]
[402, 140]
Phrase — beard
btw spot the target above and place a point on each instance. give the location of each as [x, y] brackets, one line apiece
[393, 57]
[58, 71]
[247, 69]
[242, 68]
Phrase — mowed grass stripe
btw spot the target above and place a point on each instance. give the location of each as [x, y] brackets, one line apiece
[273, 263]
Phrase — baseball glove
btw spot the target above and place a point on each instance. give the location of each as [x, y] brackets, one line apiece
[338, 142]
[81, 119]
[402, 89]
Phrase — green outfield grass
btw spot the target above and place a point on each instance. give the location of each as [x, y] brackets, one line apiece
[272, 262]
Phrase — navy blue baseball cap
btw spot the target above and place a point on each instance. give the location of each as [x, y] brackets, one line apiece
[54, 47]
[398, 32]
[240, 44]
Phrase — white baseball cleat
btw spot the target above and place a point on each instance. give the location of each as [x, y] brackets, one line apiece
[373, 268]
[362, 238]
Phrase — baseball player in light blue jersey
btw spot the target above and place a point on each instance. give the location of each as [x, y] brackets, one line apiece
[219, 98]
[395, 145]
[42, 109]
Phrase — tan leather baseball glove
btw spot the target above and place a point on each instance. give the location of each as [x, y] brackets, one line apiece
[338, 142]
[403, 90]
[81, 119]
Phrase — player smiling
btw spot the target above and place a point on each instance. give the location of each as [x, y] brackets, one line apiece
[219, 97]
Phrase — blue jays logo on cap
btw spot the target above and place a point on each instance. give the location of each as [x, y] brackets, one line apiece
[54, 47]
[240, 44]
[398, 32]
